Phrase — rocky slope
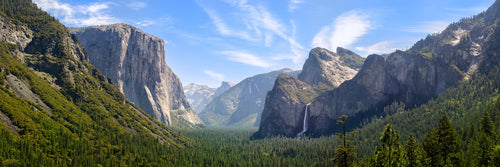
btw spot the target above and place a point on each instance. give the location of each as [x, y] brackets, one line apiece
[54, 103]
[413, 77]
[199, 96]
[324, 66]
[323, 71]
[135, 62]
[242, 104]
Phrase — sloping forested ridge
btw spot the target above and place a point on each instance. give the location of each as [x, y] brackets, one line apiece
[464, 106]
[68, 113]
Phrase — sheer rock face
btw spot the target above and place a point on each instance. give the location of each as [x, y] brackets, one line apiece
[284, 109]
[135, 62]
[413, 77]
[324, 70]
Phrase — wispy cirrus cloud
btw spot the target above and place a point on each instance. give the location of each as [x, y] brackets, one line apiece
[246, 58]
[146, 23]
[223, 29]
[255, 23]
[429, 27]
[377, 48]
[137, 5]
[294, 4]
[344, 31]
[214, 75]
[80, 15]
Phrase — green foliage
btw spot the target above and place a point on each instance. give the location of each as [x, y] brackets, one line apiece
[412, 155]
[344, 153]
[229, 147]
[464, 105]
[431, 148]
[389, 154]
[90, 123]
[447, 140]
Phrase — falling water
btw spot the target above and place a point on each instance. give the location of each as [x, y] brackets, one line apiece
[304, 129]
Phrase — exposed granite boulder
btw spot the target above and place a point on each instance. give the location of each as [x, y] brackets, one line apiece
[135, 62]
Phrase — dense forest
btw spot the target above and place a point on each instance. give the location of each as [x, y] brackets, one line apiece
[89, 121]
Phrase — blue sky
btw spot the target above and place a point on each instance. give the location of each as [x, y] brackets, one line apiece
[208, 41]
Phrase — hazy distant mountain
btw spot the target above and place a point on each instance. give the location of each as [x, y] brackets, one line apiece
[242, 104]
[432, 65]
[135, 62]
[200, 95]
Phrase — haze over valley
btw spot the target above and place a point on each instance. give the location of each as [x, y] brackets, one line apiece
[249, 83]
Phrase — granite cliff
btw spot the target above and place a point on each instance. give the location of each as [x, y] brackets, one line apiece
[285, 104]
[413, 77]
[135, 62]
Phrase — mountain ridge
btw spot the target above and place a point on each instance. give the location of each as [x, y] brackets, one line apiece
[66, 112]
[200, 95]
[432, 65]
[241, 105]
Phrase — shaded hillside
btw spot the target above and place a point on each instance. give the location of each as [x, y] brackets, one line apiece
[57, 109]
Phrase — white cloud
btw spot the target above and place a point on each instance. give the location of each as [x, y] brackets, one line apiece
[245, 58]
[214, 75]
[137, 5]
[81, 15]
[474, 9]
[429, 27]
[256, 24]
[145, 23]
[344, 31]
[377, 48]
[222, 27]
[294, 4]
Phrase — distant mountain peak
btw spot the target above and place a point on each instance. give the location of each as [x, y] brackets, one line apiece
[327, 67]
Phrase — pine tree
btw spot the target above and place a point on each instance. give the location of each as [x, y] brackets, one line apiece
[412, 153]
[487, 126]
[447, 140]
[431, 148]
[389, 153]
[344, 154]
[486, 139]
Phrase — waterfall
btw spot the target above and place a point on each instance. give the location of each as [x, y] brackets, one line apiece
[304, 128]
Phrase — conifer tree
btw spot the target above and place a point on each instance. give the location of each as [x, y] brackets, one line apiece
[412, 153]
[487, 126]
[447, 140]
[344, 154]
[389, 153]
[486, 139]
[430, 146]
